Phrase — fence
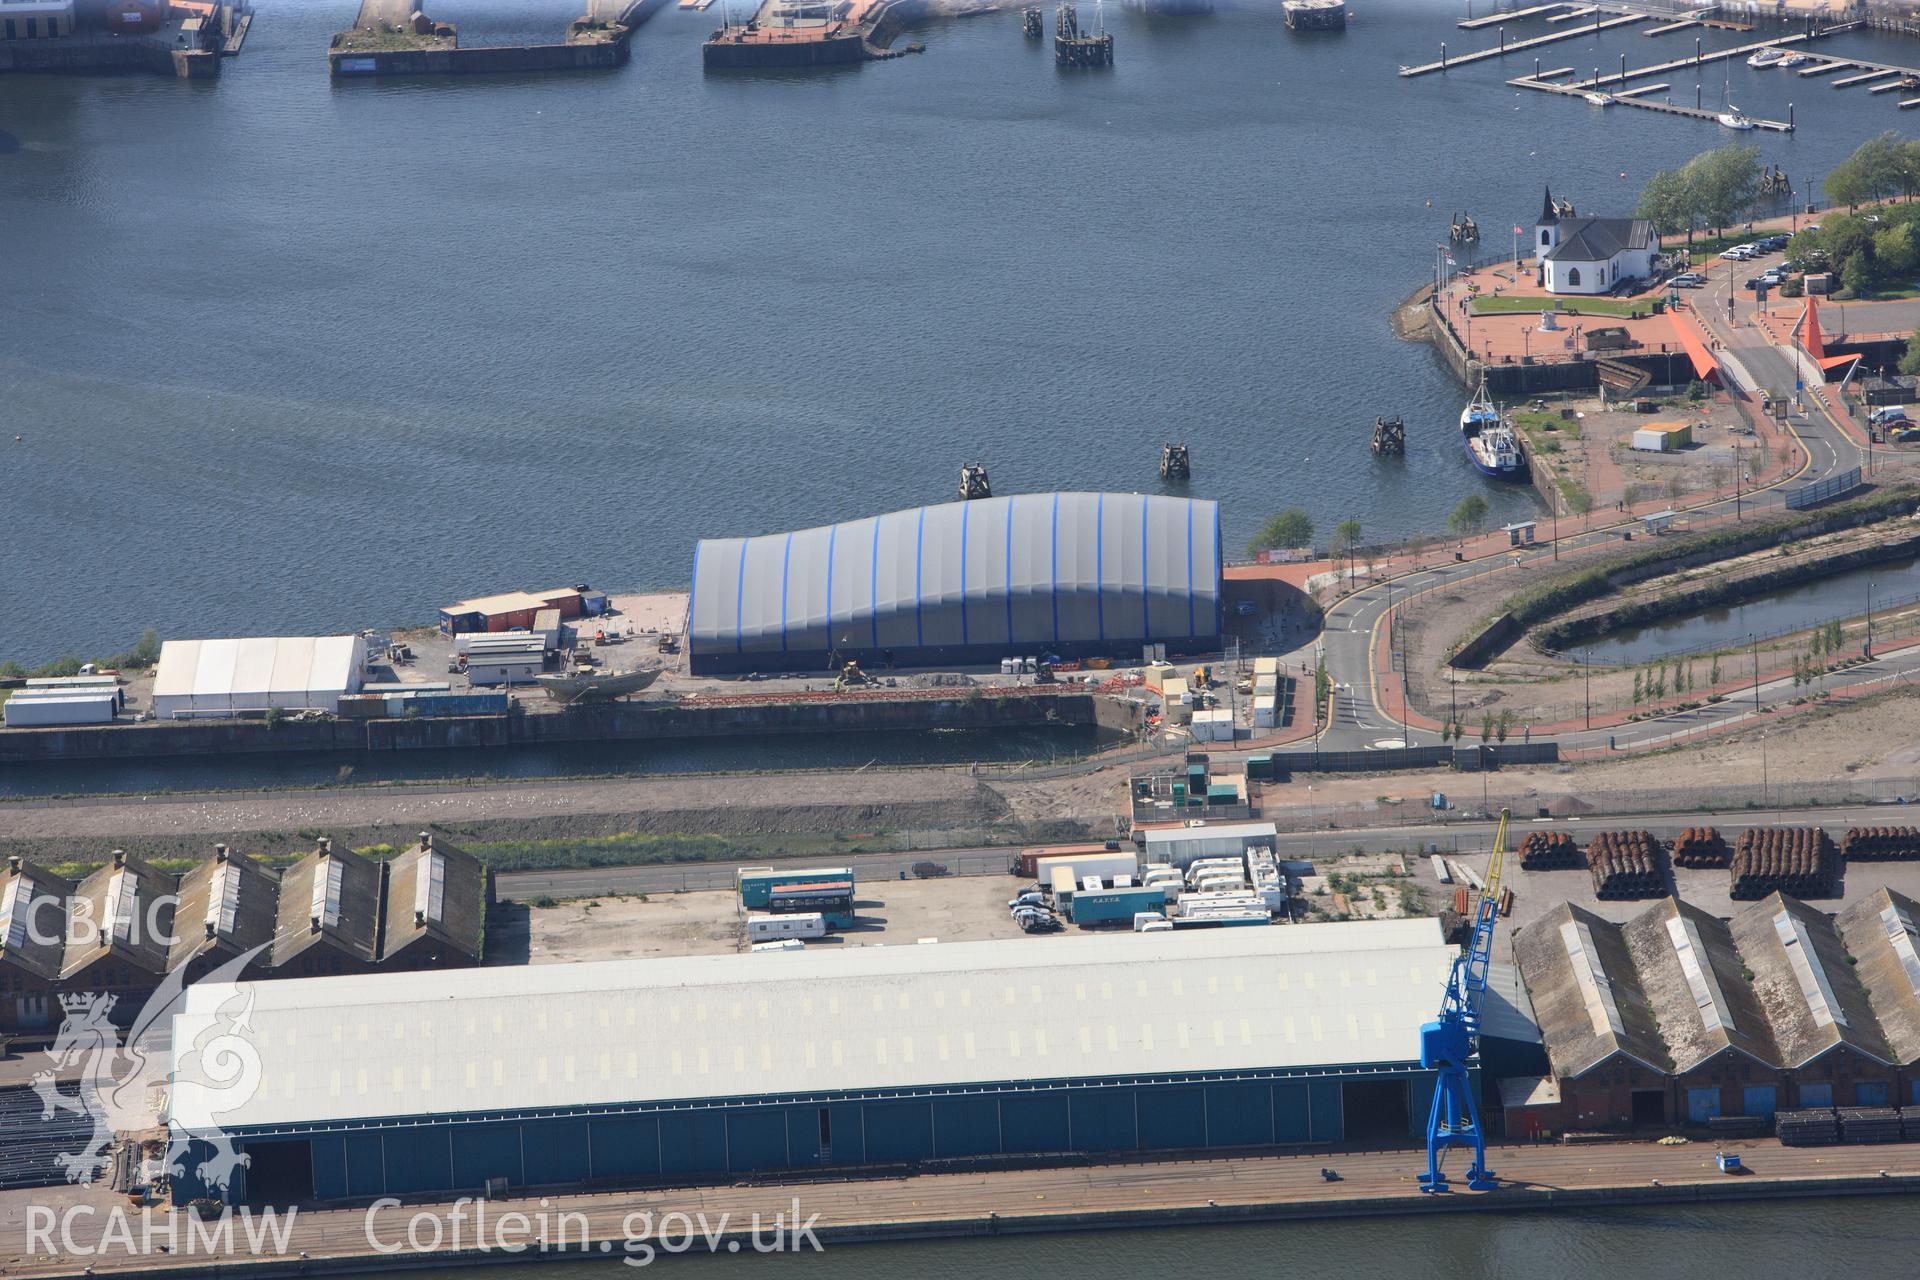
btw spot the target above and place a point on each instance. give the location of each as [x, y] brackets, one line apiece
[1812, 495]
[1769, 805]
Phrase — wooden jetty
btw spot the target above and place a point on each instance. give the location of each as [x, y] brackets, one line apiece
[1681, 64]
[1908, 104]
[1627, 98]
[1584, 11]
[1640, 88]
[1888, 87]
[1681, 25]
[1516, 46]
[1862, 78]
[1824, 68]
[1509, 15]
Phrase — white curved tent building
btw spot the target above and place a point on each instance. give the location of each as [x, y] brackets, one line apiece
[965, 583]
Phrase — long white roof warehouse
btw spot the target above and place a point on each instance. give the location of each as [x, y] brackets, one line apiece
[500, 1040]
[225, 677]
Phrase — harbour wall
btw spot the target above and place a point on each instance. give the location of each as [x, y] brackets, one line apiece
[607, 722]
[579, 55]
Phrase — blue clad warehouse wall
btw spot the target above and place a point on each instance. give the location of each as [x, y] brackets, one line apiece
[452, 1155]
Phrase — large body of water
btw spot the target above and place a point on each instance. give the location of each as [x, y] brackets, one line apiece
[1806, 1239]
[291, 356]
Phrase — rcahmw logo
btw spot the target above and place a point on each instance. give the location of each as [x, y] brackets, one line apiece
[122, 1087]
[472, 1226]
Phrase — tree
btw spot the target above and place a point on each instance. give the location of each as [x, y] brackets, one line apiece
[1667, 202]
[1910, 361]
[1486, 726]
[1895, 251]
[1713, 676]
[1723, 183]
[1638, 689]
[1856, 276]
[1291, 528]
[1469, 516]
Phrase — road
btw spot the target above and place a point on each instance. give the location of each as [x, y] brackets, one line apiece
[1470, 835]
[1172, 1192]
[1359, 719]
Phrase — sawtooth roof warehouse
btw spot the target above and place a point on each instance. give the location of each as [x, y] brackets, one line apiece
[717, 1066]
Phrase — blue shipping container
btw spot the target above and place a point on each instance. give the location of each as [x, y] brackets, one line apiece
[1116, 906]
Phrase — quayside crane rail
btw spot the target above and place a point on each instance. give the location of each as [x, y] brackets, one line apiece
[1447, 1044]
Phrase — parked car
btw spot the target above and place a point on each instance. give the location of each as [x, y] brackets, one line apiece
[1906, 435]
[1688, 280]
[1886, 413]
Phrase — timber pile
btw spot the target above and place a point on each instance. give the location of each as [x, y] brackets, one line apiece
[1627, 864]
[1550, 851]
[1800, 861]
[1815, 1127]
[1881, 844]
[1700, 847]
[1862, 1125]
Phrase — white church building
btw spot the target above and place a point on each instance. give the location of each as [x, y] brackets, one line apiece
[1591, 255]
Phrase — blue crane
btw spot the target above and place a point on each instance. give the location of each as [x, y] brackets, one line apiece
[1447, 1043]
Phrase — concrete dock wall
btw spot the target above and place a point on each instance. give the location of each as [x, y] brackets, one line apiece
[608, 722]
[576, 56]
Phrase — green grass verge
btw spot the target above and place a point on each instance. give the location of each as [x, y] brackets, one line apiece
[1508, 304]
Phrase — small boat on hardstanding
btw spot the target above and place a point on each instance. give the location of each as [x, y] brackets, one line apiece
[1492, 445]
[596, 686]
[1766, 58]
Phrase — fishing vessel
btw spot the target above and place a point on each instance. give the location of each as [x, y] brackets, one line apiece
[596, 686]
[1766, 58]
[1492, 446]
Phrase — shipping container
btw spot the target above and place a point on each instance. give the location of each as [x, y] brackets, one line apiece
[76, 706]
[1266, 667]
[1100, 906]
[456, 704]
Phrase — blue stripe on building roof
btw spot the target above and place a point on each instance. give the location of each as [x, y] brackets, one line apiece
[833, 532]
[786, 574]
[919, 566]
[873, 585]
[1006, 588]
[966, 509]
[1055, 570]
[739, 599]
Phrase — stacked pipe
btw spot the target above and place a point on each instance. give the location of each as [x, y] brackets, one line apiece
[1700, 847]
[1814, 1127]
[1550, 851]
[1862, 1125]
[1881, 844]
[1800, 861]
[1910, 1124]
[1626, 864]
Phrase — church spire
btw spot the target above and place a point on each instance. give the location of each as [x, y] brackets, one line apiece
[1547, 212]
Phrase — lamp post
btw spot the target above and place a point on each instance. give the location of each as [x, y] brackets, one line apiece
[1763, 770]
[1586, 665]
[1313, 826]
[1754, 639]
[1868, 651]
[1526, 343]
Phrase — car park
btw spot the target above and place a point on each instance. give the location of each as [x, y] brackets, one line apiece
[1906, 435]
[1886, 413]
